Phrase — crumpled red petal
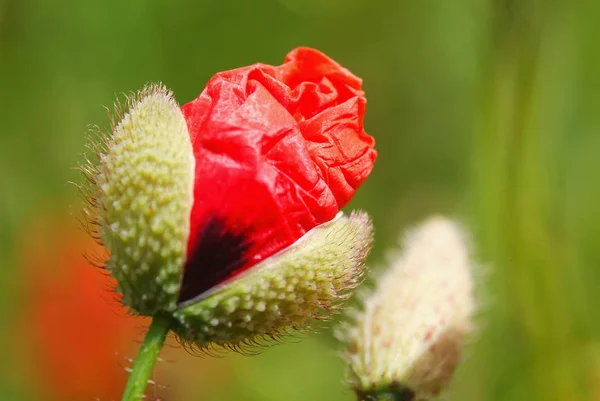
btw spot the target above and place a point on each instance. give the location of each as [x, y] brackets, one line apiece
[279, 150]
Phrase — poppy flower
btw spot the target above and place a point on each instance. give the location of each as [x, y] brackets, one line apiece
[228, 208]
[279, 151]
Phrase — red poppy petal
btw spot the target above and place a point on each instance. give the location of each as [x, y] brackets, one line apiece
[279, 150]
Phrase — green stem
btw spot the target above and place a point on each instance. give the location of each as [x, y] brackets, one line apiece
[146, 358]
[396, 394]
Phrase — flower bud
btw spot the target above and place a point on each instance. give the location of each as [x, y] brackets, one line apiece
[406, 342]
[221, 215]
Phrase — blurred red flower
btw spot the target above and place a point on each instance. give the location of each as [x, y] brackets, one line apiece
[279, 150]
[79, 333]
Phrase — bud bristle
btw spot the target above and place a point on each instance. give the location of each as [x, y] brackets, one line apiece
[141, 196]
[412, 328]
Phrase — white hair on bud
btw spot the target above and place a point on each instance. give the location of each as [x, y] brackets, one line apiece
[140, 196]
[410, 333]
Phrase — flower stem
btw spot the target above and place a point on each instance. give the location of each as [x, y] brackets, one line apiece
[397, 394]
[146, 358]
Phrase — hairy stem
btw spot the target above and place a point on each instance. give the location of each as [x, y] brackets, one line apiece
[396, 394]
[146, 358]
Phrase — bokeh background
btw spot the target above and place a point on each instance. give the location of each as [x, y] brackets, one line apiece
[487, 110]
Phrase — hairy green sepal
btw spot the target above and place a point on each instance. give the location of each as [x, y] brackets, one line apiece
[145, 195]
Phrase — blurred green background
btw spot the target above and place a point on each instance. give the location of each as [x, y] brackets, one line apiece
[487, 110]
